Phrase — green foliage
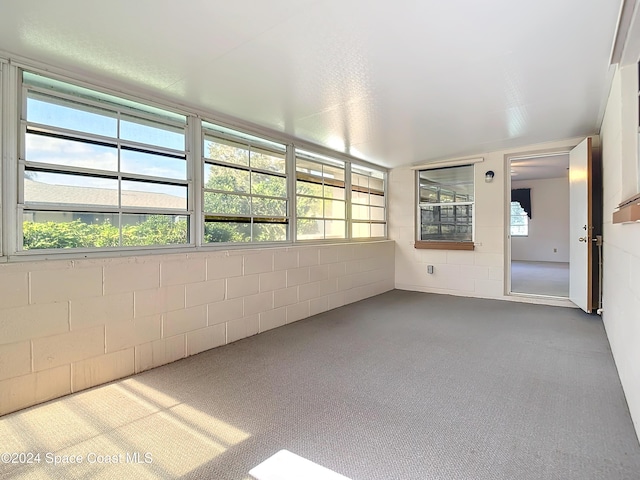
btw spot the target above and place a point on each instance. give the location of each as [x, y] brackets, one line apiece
[155, 230]
[269, 200]
[238, 180]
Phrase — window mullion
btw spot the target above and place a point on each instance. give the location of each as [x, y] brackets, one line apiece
[13, 149]
[347, 195]
[290, 158]
[195, 172]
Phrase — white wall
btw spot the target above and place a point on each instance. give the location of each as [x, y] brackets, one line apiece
[478, 273]
[549, 227]
[69, 325]
[621, 282]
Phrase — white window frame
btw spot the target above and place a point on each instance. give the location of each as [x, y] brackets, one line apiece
[11, 145]
[369, 173]
[251, 143]
[323, 160]
[444, 243]
[116, 142]
[511, 225]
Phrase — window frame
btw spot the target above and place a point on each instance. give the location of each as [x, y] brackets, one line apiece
[452, 244]
[11, 213]
[511, 225]
[331, 162]
[209, 131]
[369, 174]
[122, 114]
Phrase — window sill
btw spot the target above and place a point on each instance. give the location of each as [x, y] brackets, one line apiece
[444, 245]
[628, 211]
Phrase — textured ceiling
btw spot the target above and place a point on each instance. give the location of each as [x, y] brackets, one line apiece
[394, 83]
[539, 168]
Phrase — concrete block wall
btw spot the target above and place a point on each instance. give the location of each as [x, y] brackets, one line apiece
[621, 255]
[478, 273]
[68, 325]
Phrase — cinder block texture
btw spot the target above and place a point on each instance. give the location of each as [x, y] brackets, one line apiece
[70, 325]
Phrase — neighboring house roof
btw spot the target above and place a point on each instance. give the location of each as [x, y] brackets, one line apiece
[40, 192]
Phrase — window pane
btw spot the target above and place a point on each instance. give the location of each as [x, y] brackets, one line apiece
[332, 174]
[309, 207]
[223, 151]
[153, 195]
[447, 184]
[308, 167]
[377, 200]
[70, 115]
[334, 192]
[519, 220]
[334, 209]
[262, 184]
[226, 204]
[376, 184]
[360, 197]
[334, 229]
[143, 163]
[446, 223]
[269, 232]
[57, 188]
[58, 151]
[215, 232]
[377, 213]
[69, 230]
[152, 133]
[268, 161]
[429, 194]
[269, 207]
[310, 229]
[361, 230]
[140, 230]
[360, 212]
[377, 230]
[224, 178]
[360, 180]
[308, 188]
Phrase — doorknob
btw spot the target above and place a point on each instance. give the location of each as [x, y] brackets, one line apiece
[583, 239]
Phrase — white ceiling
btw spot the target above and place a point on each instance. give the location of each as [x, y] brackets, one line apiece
[394, 82]
[539, 168]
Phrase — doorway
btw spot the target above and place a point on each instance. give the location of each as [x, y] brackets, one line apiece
[539, 225]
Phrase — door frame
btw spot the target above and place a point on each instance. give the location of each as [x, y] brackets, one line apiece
[507, 221]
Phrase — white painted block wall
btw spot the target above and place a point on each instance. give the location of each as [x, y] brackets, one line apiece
[549, 225]
[70, 325]
[621, 273]
[477, 273]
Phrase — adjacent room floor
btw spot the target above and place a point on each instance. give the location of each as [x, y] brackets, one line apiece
[404, 385]
[540, 278]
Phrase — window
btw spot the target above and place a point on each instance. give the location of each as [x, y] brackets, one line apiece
[99, 171]
[320, 197]
[90, 171]
[519, 221]
[446, 198]
[245, 188]
[367, 203]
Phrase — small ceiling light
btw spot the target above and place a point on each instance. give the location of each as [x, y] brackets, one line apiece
[488, 177]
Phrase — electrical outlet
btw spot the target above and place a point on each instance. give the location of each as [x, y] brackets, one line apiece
[429, 269]
[555, 250]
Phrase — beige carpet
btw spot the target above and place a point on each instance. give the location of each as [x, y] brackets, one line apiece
[401, 386]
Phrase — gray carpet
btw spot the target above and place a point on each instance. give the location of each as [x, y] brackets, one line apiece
[540, 278]
[401, 386]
